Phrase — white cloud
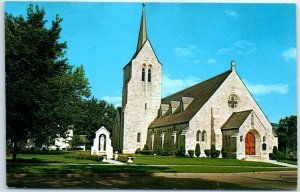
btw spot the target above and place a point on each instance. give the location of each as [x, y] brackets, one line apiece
[289, 54]
[114, 100]
[185, 51]
[242, 44]
[170, 86]
[241, 47]
[261, 89]
[231, 13]
[211, 61]
[224, 50]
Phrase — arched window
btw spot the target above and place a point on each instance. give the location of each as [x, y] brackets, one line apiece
[264, 146]
[204, 136]
[264, 138]
[138, 139]
[143, 74]
[198, 135]
[149, 75]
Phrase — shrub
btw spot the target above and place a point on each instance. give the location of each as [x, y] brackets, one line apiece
[207, 152]
[197, 150]
[213, 151]
[191, 153]
[231, 156]
[44, 149]
[218, 152]
[275, 152]
[31, 148]
[145, 147]
[165, 151]
[181, 151]
[281, 155]
[123, 158]
[146, 152]
[57, 149]
[85, 156]
[224, 152]
[138, 151]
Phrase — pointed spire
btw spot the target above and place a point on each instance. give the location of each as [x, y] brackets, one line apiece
[143, 31]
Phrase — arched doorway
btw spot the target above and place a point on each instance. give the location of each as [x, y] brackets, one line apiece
[250, 144]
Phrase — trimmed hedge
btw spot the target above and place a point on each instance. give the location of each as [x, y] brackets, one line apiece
[197, 150]
[207, 152]
[224, 152]
[191, 153]
[85, 156]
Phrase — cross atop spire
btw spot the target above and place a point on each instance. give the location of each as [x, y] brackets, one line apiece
[143, 31]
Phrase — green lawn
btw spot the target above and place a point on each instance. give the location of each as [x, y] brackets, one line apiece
[169, 160]
[99, 169]
[51, 158]
[288, 161]
[43, 164]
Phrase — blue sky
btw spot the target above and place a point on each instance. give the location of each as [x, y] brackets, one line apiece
[192, 41]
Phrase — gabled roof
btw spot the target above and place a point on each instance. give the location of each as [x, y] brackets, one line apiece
[201, 93]
[236, 120]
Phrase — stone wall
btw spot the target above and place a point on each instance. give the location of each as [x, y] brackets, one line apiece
[216, 112]
[142, 98]
[172, 136]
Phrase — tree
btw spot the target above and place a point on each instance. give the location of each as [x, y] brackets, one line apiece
[197, 150]
[287, 134]
[76, 141]
[43, 91]
[95, 114]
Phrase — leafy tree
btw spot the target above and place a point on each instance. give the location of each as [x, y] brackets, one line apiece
[76, 141]
[95, 114]
[43, 91]
[287, 134]
[197, 150]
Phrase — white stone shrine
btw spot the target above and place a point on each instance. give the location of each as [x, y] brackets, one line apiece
[102, 143]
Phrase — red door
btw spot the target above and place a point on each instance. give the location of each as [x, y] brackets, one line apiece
[250, 144]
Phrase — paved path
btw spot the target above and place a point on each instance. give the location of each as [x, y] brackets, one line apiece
[276, 163]
[280, 180]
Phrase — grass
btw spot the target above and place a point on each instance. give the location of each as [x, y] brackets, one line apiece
[100, 169]
[169, 160]
[51, 158]
[288, 161]
[42, 164]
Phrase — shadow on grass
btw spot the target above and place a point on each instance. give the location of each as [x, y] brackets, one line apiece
[30, 161]
[118, 182]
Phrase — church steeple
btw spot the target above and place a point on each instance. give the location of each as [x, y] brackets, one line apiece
[143, 31]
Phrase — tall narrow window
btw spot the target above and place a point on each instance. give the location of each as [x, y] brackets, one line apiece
[198, 135]
[252, 119]
[138, 137]
[149, 75]
[143, 74]
[203, 135]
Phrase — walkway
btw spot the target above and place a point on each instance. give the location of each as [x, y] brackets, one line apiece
[276, 163]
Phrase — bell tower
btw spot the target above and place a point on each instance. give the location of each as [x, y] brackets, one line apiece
[141, 93]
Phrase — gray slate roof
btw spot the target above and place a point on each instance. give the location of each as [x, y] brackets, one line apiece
[201, 93]
[236, 120]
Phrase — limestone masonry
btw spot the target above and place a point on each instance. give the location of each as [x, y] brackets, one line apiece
[219, 111]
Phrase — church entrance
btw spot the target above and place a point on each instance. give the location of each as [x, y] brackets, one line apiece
[250, 144]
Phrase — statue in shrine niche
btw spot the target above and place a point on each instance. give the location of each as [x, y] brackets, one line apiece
[102, 143]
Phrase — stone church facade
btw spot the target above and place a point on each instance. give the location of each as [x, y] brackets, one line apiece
[219, 111]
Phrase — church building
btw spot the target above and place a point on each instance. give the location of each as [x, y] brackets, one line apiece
[219, 111]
